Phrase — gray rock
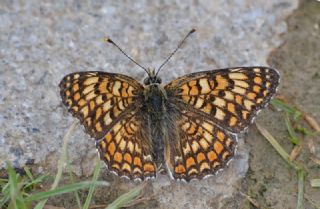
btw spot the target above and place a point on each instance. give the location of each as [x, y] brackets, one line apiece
[40, 42]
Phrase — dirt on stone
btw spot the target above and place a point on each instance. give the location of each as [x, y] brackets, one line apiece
[270, 181]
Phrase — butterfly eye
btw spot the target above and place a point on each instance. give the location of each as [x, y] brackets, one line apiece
[158, 80]
[146, 81]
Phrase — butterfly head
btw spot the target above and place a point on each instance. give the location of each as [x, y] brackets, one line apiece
[152, 77]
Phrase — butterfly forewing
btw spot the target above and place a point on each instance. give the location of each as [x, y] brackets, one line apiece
[98, 99]
[229, 97]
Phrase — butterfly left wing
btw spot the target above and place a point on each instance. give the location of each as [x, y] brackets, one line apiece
[229, 97]
[108, 105]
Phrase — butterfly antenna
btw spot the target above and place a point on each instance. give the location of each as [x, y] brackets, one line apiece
[178, 47]
[106, 39]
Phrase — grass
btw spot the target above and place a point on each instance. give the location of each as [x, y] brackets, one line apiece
[126, 198]
[295, 121]
[299, 169]
[24, 191]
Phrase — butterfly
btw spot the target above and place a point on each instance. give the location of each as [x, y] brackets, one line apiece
[189, 125]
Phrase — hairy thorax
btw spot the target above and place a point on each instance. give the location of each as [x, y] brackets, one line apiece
[155, 100]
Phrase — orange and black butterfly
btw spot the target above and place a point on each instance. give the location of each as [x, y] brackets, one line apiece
[189, 125]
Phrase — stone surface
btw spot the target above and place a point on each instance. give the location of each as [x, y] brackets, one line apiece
[41, 41]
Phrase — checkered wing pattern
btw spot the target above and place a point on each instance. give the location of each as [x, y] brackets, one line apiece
[202, 148]
[212, 105]
[229, 97]
[126, 148]
[98, 98]
[107, 105]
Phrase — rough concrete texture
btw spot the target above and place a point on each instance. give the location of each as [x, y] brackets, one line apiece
[41, 41]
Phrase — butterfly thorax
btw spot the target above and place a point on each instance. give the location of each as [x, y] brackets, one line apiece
[155, 97]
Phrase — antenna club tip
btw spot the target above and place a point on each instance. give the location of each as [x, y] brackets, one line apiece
[192, 30]
[107, 40]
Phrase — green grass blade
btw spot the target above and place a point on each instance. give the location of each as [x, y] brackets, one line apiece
[35, 181]
[13, 181]
[91, 190]
[299, 169]
[274, 143]
[301, 176]
[63, 158]
[4, 200]
[292, 134]
[28, 173]
[40, 205]
[285, 107]
[76, 194]
[15, 184]
[297, 116]
[125, 198]
[21, 204]
[5, 192]
[65, 189]
[61, 161]
[305, 131]
[282, 106]
[315, 182]
[5, 186]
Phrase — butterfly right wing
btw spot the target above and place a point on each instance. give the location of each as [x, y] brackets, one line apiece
[207, 106]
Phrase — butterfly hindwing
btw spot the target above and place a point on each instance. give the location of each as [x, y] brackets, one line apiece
[126, 148]
[201, 148]
[230, 97]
